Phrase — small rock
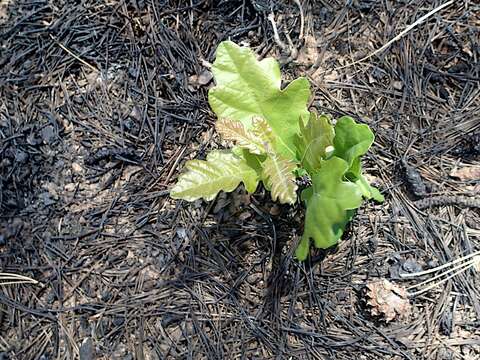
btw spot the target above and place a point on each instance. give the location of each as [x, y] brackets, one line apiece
[77, 168]
[119, 352]
[275, 210]
[136, 113]
[46, 199]
[87, 349]
[5, 163]
[245, 215]
[48, 134]
[446, 323]
[118, 321]
[21, 156]
[411, 266]
[205, 77]
[106, 296]
[133, 72]
[201, 79]
[70, 187]
[342, 295]
[77, 99]
[33, 140]
[397, 85]
[51, 188]
[181, 233]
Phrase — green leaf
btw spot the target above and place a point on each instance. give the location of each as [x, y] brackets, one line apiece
[253, 160]
[329, 203]
[233, 130]
[313, 141]
[222, 171]
[368, 191]
[279, 178]
[351, 141]
[247, 88]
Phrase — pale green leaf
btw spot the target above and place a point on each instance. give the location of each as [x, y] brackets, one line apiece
[263, 131]
[233, 130]
[271, 68]
[329, 203]
[314, 138]
[222, 171]
[247, 88]
[278, 176]
[368, 191]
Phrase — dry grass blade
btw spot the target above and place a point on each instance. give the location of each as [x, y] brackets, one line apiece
[402, 34]
[11, 279]
[454, 268]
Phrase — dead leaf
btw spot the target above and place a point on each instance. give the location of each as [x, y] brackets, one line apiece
[466, 173]
[308, 54]
[387, 299]
[239, 200]
[201, 79]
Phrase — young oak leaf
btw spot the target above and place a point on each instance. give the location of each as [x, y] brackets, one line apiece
[313, 141]
[223, 170]
[351, 141]
[246, 88]
[264, 132]
[329, 203]
[233, 130]
[279, 178]
[368, 191]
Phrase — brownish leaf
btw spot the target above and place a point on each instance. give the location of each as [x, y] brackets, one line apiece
[387, 299]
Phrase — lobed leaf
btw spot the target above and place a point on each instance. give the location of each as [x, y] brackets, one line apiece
[247, 88]
[233, 130]
[368, 191]
[254, 161]
[351, 141]
[264, 132]
[313, 141]
[329, 202]
[279, 178]
[222, 171]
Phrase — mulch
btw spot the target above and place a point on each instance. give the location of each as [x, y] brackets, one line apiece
[102, 102]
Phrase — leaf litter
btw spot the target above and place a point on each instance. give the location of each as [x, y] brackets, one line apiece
[232, 290]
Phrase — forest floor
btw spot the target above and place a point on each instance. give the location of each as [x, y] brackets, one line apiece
[102, 102]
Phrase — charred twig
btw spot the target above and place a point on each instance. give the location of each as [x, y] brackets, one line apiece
[444, 200]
